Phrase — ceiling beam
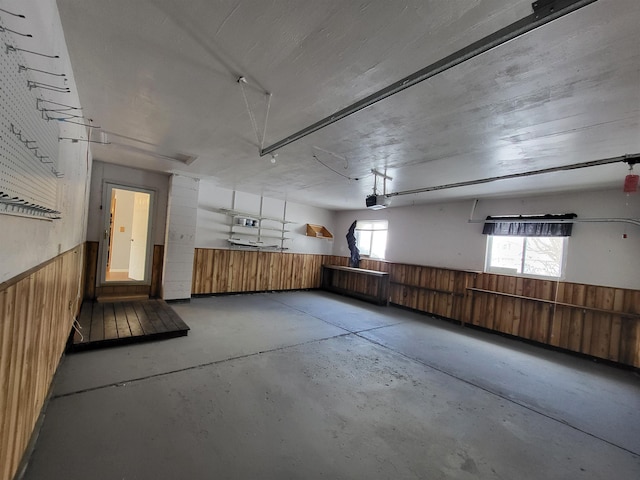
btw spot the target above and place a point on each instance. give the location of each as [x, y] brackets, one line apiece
[544, 11]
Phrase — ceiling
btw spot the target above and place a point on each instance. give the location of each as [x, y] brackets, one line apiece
[161, 76]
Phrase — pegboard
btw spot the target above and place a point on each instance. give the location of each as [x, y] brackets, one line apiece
[28, 142]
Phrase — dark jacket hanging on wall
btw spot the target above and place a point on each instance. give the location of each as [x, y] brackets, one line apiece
[354, 260]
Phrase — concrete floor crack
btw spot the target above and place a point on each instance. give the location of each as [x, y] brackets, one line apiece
[505, 398]
[193, 367]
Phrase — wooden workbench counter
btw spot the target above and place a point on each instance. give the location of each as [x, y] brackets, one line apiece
[369, 285]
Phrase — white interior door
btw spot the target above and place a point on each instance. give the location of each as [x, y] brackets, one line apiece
[139, 232]
[126, 242]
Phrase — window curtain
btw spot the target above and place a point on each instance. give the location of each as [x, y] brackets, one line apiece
[518, 226]
[371, 225]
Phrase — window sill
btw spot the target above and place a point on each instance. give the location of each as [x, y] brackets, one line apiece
[524, 275]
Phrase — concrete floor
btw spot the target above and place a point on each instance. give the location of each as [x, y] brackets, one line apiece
[313, 385]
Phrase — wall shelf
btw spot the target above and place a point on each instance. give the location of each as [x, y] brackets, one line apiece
[318, 231]
[236, 213]
[254, 245]
[247, 230]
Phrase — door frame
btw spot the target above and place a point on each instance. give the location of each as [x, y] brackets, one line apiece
[105, 233]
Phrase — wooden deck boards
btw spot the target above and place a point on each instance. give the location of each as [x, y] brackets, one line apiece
[118, 323]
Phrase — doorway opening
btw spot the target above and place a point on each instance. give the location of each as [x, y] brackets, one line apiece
[127, 239]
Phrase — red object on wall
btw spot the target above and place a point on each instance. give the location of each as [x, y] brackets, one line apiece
[631, 183]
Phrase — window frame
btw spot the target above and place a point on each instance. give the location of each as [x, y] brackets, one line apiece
[372, 231]
[488, 268]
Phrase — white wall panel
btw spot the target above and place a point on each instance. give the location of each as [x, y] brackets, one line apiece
[27, 242]
[182, 210]
[440, 235]
[213, 227]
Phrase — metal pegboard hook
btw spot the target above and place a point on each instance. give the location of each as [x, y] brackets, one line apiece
[11, 48]
[75, 123]
[22, 68]
[44, 100]
[11, 13]
[31, 84]
[76, 140]
[68, 115]
[5, 29]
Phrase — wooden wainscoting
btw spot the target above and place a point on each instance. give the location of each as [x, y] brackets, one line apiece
[438, 291]
[36, 311]
[603, 322]
[366, 284]
[594, 320]
[155, 290]
[233, 271]
[599, 321]
[91, 268]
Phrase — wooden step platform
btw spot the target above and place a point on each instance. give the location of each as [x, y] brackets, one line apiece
[124, 322]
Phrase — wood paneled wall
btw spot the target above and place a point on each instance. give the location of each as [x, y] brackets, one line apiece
[438, 291]
[91, 272]
[91, 269]
[599, 321]
[155, 290]
[363, 283]
[36, 313]
[232, 271]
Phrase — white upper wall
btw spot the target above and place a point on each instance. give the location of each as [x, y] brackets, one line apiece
[440, 235]
[28, 242]
[213, 228]
[131, 177]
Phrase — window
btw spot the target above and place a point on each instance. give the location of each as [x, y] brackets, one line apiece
[535, 256]
[371, 237]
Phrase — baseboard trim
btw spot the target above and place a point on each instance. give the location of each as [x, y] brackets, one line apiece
[178, 300]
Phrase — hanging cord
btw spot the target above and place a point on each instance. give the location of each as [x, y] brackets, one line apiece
[76, 324]
[242, 81]
[266, 119]
[627, 206]
[77, 327]
[555, 308]
[340, 157]
[333, 170]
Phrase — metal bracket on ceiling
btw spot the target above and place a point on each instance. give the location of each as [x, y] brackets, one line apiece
[384, 177]
[631, 160]
[544, 8]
